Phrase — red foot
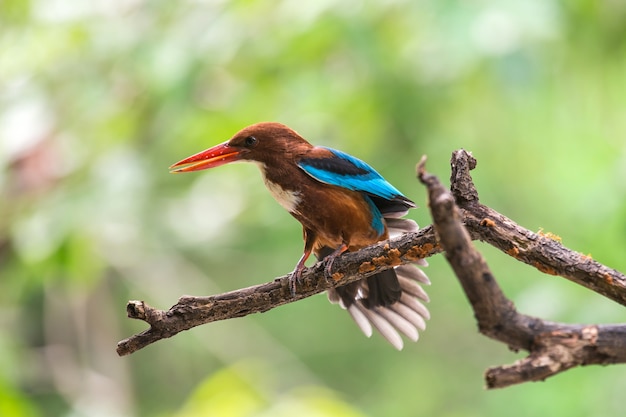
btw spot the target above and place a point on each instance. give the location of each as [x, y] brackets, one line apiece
[330, 259]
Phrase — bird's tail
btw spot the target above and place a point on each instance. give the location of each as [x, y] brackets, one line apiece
[392, 300]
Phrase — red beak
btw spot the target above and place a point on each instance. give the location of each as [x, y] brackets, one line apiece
[213, 157]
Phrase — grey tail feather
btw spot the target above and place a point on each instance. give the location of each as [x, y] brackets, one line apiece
[383, 288]
[391, 301]
[407, 315]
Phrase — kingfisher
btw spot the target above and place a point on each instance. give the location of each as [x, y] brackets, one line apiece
[343, 205]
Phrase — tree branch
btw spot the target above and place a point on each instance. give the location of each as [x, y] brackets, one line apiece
[552, 347]
[458, 218]
[191, 311]
[542, 251]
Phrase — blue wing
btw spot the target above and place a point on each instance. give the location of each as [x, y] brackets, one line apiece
[334, 167]
[346, 171]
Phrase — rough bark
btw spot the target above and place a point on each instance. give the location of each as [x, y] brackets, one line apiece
[553, 347]
[458, 218]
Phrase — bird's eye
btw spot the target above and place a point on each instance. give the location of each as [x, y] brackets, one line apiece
[250, 141]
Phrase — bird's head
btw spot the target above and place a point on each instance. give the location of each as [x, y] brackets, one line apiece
[261, 142]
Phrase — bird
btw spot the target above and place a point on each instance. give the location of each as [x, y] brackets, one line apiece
[343, 205]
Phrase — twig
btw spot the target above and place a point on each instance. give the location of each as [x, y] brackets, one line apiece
[540, 251]
[552, 347]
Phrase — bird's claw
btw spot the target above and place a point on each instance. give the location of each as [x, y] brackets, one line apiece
[296, 276]
[330, 260]
[328, 269]
[294, 279]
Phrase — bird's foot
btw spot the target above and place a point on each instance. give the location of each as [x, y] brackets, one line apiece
[295, 278]
[328, 269]
[330, 260]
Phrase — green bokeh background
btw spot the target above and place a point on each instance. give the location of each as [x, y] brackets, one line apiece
[98, 98]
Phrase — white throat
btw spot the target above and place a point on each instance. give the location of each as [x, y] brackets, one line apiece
[289, 199]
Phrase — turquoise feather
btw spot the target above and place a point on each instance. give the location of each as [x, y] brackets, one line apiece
[350, 173]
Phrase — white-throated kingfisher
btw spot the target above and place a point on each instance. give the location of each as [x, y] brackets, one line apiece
[343, 205]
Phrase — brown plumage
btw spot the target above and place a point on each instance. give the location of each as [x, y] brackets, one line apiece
[343, 205]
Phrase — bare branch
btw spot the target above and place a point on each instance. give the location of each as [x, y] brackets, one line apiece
[192, 311]
[540, 251]
[458, 218]
[553, 347]
[564, 347]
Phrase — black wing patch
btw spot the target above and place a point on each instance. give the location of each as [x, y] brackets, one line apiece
[337, 166]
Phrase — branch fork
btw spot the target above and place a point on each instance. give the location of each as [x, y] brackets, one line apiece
[458, 218]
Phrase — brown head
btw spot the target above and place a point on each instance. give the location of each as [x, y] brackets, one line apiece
[262, 142]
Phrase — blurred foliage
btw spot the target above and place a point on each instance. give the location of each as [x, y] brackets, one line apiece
[98, 98]
[245, 389]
